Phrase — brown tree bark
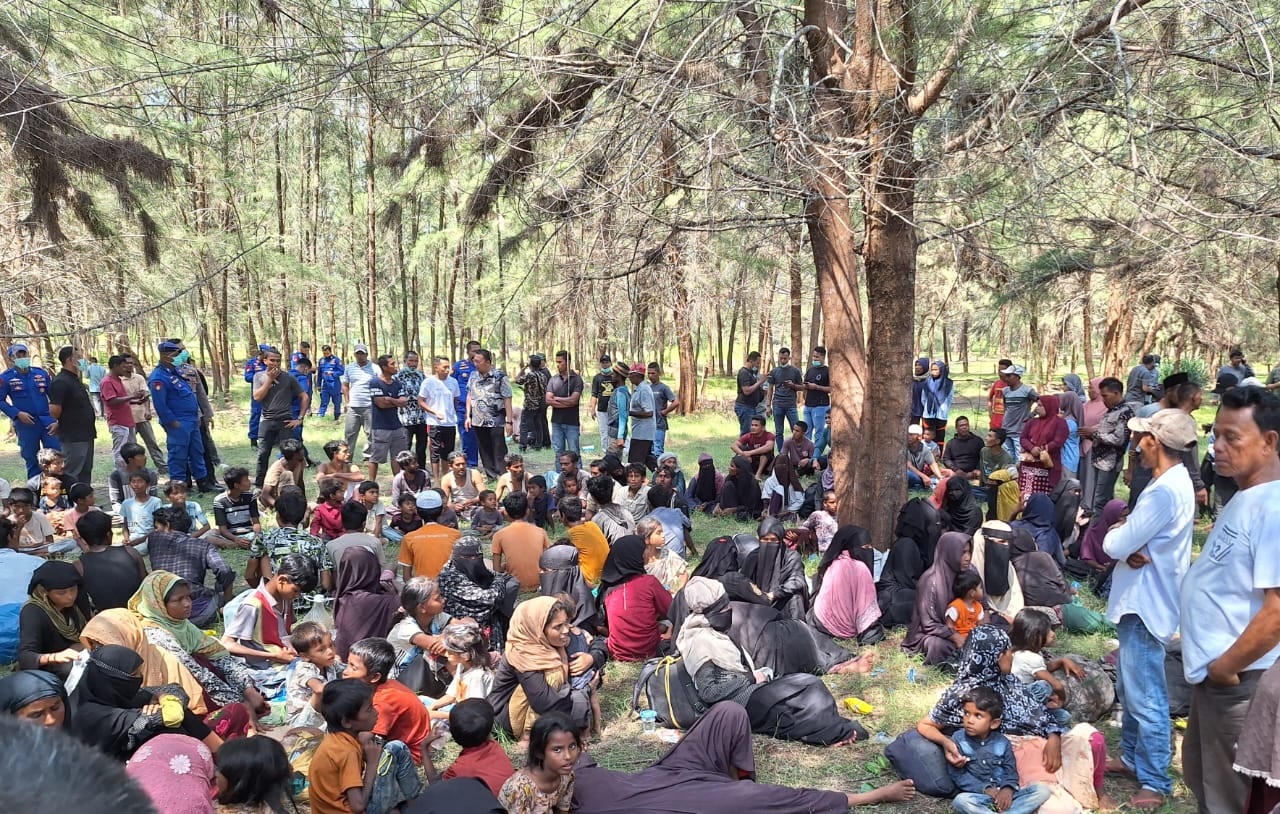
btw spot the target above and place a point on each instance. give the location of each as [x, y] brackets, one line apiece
[1116, 340]
[865, 95]
[1086, 323]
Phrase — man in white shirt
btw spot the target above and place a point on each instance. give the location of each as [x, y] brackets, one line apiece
[1153, 550]
[438, 397]
[1231, 598]
[355, 392]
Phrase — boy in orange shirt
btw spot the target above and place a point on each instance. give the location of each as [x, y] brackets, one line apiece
[401, 716]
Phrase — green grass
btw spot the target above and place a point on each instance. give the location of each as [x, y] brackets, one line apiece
[898, 704]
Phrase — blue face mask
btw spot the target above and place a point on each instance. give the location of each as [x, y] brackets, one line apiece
[816, 363]
[182, 358]
[22, 363]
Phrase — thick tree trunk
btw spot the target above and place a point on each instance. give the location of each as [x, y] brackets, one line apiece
[1116, 342]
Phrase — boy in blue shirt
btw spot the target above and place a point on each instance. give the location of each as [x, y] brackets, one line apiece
[138, 512]
[989, 775]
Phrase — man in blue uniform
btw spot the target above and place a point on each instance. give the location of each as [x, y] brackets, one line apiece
[24, 398]
[330, 372]
[252, 368]
[463, 370]
[178, 410]
[302, 371]
[303, 352]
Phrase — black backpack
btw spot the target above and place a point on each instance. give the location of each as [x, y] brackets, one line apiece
[669, 692]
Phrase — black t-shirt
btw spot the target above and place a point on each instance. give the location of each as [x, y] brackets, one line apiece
[601, 391]
[746, 378]
[562, 388]
[385, 418]
[820, 375]
[278, 403]
[78, 417]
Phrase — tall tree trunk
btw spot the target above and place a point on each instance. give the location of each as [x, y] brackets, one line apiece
[371, 233]
[1116, 341]
[794, 242]
[1086, 323]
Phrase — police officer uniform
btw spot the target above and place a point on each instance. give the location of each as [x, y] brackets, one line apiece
[252, 368]
[463, 370]
[178, 409]
[27, 391]
[330, 372]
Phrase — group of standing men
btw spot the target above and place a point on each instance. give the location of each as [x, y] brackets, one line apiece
[776, 395]
[466, 403]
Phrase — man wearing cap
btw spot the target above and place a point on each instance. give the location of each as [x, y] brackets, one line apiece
[198, 383]
[601, 397]
[355, 392]
[1183, 394]
[1152, 549]
[424, 551]
[24, 397]
[179, 412]
[275, 390]
[1230, 604]
[252, 368]
[534, 433]
[643, 413]
[1018, 398]
[70, 406]
[619, 410]
[330, 369]
[564, 395]
[1143, 381]
[489, 412]
[463, 370]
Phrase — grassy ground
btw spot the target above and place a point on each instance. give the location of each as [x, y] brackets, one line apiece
[897, 703]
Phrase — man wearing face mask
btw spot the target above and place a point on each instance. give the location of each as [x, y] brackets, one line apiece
[178, 409]
[601, 396]
[201, 387]
[817, 397]
[24, 398]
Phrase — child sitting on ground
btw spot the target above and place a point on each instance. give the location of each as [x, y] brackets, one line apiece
[369, 495]
[823, 522]
[406, 519]
[410, 480]
[317, 666]
[580, 642]
[340, 468]
[545, 784]
[486, 517]
[467, 650]
[258, 631]
[401, 716]
[541, 507]
[326, 519]
[1031, 633]
[471, 723]
[52, 500]
[138, 512]
[965, 611]
[344, 773]
[176, 491]
[253, 776]
[988, 774]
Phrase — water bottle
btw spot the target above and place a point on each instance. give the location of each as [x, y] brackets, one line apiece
[648, 721]
[884, 738]
[911, 675]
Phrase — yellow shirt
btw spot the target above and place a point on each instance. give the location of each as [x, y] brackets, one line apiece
[592, 547]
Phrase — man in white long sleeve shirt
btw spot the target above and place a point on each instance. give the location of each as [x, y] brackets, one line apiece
[1153, 552]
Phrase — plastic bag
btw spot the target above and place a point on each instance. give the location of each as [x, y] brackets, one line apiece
[319, 612]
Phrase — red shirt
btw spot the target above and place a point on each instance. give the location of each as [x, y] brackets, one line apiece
[401, 717]
[326, 521]
[488, 761]
[749, 442]
[996, 395]
[118, 415]
[634, 609]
